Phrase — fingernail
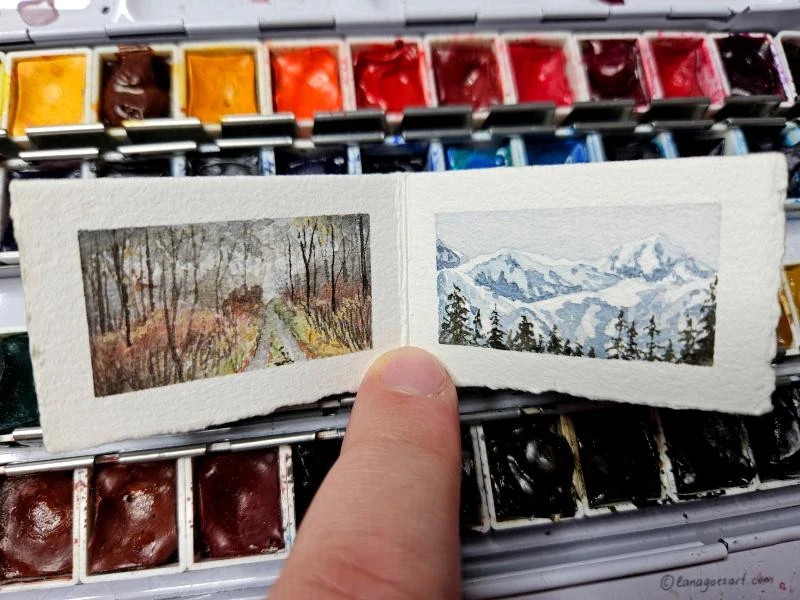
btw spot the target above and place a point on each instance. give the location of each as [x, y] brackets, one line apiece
[412, 371]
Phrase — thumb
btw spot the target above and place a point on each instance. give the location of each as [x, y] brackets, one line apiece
[384, 523]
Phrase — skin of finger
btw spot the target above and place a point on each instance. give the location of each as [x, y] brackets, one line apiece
[384, 524]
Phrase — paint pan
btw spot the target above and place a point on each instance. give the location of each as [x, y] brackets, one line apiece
[619, 470]
[308, 77]
[618, 66]
[113, 165]
[785, 331]
[18, 407]
[240, 506]
[791, 284]
[400, 157]
[305, 159]
[135, 83]
[484, 151]
[47, 87]
[564, 147]
[133, 514]
[20, 169]
[785, 140]
[787, 44]
[708, 453]
[752, 66]
[775, 438]
[467, 71]
[311, 462]
[634, 146]
[39, 534]
[687, 65]
[390, 74]
[474, 510]
[225, 163]
[530, 471]
[545, 67]
[226, 78]
[724, 141]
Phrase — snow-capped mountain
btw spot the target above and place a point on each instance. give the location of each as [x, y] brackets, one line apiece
[651, 277]
[445, 257]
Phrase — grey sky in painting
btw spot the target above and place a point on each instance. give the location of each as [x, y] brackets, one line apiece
[582, 233]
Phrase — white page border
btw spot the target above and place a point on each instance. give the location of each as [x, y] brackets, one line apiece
[750, 191]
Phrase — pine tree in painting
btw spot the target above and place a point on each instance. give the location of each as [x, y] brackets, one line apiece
[688, 337]
[652, 331]
[591, 353]
[455, 328]
[704, 347]
[477, 329]
[578, 350]
[496, 337]
[567, 348]
[617, 347]
[632, 346]
[554, 344]
[669, 353]
[525, 338]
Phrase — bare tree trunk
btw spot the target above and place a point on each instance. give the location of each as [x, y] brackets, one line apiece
[306, 251]
[169, 325]
[142, 283]
[289, 255]
[149, 265]
[102, 302]
[362, 241]
[118, 257]
[245, 233]
[333, 269]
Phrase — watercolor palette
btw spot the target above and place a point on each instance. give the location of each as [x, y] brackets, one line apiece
[306, 77]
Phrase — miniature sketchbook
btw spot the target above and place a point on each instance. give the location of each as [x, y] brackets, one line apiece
[166, 305]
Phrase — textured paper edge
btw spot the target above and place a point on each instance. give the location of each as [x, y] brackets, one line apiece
[750, 191]
[47, 216]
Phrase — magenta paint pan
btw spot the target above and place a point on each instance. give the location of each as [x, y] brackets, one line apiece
[618, 67]
[753, 65]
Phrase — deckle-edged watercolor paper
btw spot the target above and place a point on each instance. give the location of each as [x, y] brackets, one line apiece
[162, 305]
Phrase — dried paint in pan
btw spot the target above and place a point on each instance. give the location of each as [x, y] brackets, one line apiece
[225, 164]
[750, 64]
[139, 167]
[136, 85]
[792, 273]
[556, 151]
[238, 502]
[467, 73]
[311, 462]
[629, 147]
[775, 437]
[530, 467]
[36, 525]
[698, 144]
[784, 331]
[791, 49]
[786, 141]
[47, 90]
[618, 467]
[18, 406]
[707, 452]
[614, 70]
[471, 512]
[306, 81]
[220, 83]
[54, 170]
[313, 162]
[462, 157]
[405, 158]
[540, 72]
[389, 76]
[134, 517]
[686, 68]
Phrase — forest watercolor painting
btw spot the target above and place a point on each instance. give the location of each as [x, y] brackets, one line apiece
[627, 283]
[170, 304]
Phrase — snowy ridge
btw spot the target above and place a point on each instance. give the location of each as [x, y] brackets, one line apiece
[651, 277]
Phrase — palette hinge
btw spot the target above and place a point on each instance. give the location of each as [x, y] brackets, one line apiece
[60, 464]
[151, 455]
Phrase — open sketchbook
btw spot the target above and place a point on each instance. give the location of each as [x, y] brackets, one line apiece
[162, 305]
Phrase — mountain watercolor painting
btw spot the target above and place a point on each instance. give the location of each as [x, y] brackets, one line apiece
[629, 283]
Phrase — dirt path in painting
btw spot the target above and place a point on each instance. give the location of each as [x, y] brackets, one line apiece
[271, 323]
